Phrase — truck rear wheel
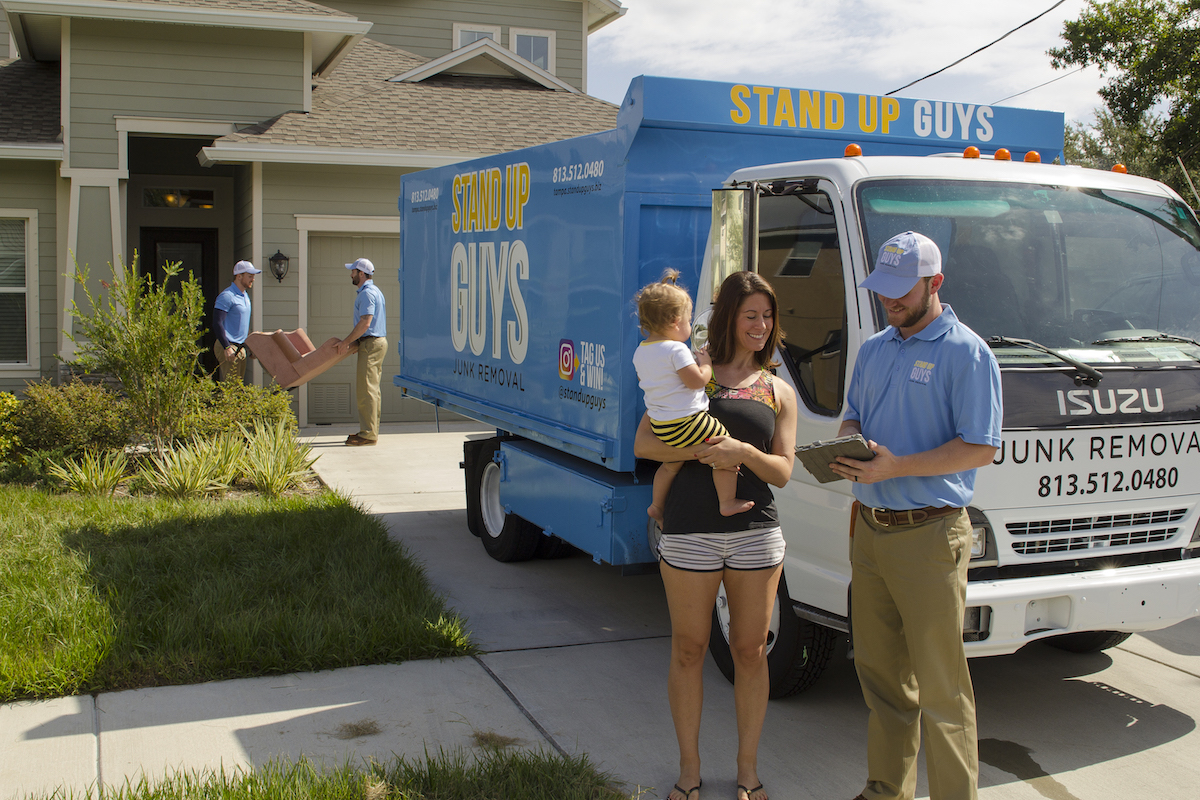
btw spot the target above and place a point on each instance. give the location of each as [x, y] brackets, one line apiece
[797, 650]
[506, 537]
[1087, 641]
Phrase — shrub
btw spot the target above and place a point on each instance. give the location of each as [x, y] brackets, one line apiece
[8, 431]
[147, 335]
[92, 473]
[185, 471]
[33, 467]
[74, 417]
[231, 404]
[275, 460]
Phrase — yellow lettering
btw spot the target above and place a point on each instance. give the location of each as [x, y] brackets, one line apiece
[740, 114]
[763, 93]
[784, 112]
[868, 113]
[835, 111]
[891, 112]
[485, 199]
[495, 198]
[456, 192]
[810, 109]
[522, 192]
[473, 205]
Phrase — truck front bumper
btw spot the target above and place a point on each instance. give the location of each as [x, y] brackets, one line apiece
[1014, 612]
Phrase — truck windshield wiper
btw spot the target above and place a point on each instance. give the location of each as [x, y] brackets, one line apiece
[1148, 337]
[1083, 373]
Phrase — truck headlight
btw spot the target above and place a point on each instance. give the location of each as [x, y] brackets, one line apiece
[983, 543]
[1195, 542]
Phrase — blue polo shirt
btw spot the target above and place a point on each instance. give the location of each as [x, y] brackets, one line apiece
[370, 301]
[915, 394]
[236, 305]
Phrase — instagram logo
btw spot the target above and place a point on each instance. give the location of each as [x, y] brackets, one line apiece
[566, 359]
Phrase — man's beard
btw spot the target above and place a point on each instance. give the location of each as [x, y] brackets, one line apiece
[919, 312]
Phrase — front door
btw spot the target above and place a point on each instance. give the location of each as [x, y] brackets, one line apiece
[196, 250]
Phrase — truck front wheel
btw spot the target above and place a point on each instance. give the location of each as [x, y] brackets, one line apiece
[1088, 641]
[797, 650]
[506, 537]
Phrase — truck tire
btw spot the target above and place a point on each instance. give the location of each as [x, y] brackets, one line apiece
[1087, 641]
[797, 650]
[506, 537]
[475, 453]
[551, 547]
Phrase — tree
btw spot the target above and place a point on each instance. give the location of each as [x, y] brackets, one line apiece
[147, 337]
[1153, 47]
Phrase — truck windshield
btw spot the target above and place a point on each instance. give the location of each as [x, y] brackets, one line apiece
[1106, 276]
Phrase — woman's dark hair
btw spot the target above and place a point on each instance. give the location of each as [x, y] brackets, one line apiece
[722, 326]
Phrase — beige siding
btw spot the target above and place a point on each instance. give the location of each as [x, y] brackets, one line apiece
[159, 70]
[370, 192]
[6, 51]
[31, 184]
[425, 27]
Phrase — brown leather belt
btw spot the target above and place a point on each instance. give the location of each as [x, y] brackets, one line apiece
[887, 517]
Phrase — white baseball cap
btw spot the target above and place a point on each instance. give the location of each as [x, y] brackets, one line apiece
[245, 266]
[362, 265]
[903, 260]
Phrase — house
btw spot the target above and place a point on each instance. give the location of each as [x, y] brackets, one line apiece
[207, 131]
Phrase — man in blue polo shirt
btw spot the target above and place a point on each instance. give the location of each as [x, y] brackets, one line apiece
[370, 331]
[925, 393]
[231, 323]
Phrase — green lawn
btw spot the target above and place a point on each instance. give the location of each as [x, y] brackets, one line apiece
[100, 594]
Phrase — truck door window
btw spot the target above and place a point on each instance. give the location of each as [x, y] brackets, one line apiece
[799, 253]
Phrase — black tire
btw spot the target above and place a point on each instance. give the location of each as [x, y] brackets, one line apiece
[1087, 641]
[506, 537]
[797, 650]
[551, 547]
[475, 452]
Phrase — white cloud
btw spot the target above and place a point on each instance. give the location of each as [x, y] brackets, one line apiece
[869, 46]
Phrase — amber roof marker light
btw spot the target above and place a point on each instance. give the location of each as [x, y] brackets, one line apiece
[971, 152]
[852, 150]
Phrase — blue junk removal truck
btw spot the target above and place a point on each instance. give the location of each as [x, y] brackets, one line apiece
[518, 270]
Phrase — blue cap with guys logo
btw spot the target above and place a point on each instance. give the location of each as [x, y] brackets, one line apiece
[903, 260]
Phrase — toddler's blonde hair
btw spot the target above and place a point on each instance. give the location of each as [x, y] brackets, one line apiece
[661, 303]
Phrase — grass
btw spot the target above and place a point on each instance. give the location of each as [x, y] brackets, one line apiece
[493, 773]
[102, 594]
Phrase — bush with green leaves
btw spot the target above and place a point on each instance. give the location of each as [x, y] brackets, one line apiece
[73, 417]
[91, 473]
[147, 335]
[231, 404]
[8, 431]
[187, 470]
[275, 460]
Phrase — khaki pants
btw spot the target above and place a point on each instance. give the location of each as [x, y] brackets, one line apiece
[907, 599]
[370, 369]
[231, 369]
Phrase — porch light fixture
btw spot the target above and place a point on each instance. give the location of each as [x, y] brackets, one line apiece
[279, 266]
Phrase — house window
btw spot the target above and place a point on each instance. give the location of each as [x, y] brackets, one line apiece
[465, 34]
[536, 47]
[17, 301]
[177, 198]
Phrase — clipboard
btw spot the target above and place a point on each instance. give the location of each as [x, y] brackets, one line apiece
[817, 456]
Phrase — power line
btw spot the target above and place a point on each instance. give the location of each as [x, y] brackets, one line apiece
[980, 50]
[1040, 85]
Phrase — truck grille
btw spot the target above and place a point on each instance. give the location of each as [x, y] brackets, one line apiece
[1085, 533]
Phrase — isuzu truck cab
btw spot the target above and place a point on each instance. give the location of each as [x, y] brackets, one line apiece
[518, 270]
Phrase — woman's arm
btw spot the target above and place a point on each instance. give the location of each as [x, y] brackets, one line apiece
[647, 445]
[774, 467]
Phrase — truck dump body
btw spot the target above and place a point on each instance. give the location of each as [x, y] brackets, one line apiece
[517, 270]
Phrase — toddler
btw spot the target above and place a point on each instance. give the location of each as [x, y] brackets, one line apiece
[673, 381]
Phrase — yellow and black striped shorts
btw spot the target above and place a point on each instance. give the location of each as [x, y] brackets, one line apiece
[688, 431]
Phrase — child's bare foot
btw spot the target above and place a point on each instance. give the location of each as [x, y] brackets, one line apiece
[735, 506]
[656, 513]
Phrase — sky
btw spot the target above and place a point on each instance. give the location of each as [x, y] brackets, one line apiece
[860, 46]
